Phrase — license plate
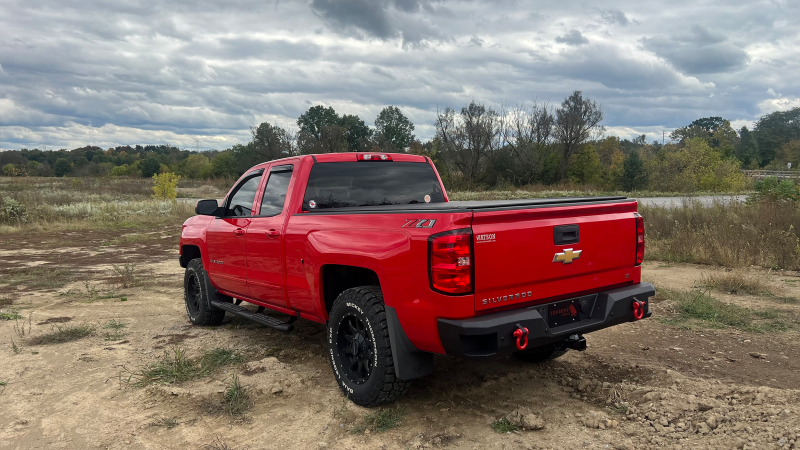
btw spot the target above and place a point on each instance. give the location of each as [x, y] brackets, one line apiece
[563, 313]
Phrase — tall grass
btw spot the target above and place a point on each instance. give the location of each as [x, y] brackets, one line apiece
[47, 203]
[725, 234]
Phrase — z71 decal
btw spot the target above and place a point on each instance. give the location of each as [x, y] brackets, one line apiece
[419, 223]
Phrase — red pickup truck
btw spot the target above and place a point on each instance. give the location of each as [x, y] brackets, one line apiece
[368, 244]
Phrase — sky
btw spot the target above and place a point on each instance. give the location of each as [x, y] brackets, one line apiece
[201, 73]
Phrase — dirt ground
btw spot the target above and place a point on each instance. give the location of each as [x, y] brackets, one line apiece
[640, 385]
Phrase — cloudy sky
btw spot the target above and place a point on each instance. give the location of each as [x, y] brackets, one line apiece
[107, 73]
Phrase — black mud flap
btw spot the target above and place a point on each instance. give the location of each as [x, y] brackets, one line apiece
[409, 363]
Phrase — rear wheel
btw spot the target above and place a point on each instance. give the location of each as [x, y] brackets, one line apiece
[359, 348]
[196, 295]
[540, 355]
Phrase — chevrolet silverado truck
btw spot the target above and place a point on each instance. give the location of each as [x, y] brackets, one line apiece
[369, 245]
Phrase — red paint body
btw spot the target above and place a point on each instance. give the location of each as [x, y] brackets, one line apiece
[277, 261]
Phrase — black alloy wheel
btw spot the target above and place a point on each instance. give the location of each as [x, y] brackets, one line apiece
[355, 343]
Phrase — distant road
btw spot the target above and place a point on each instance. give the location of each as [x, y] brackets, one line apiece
[677, 201]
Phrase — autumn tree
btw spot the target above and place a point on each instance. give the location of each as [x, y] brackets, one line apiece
[576, 120]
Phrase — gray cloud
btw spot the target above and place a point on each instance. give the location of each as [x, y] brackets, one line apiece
[106, 73]
[614, 17]
[699, 51]
[572, 37]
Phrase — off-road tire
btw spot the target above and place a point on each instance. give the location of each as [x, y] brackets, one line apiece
[197, 297]
[538, 355]
[381, 386]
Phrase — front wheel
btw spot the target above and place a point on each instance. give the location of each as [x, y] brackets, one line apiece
[197, 296]
[359, 348]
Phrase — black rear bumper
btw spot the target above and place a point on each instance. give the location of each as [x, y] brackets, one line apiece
[492, 334]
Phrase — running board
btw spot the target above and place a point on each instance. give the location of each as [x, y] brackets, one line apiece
[255, 316]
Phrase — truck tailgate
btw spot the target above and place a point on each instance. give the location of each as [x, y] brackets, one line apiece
[517, 258]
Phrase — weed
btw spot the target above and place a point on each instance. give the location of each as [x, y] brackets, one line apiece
[91, 291]
[60, 334]
[788, 300]
[737, 282]
[503, 425]
[175, 366]
[619, 408]
[167, 422]
[116, 332]
[699, 307]
[724, 234]
[380, 421]
[14, 347]
[3, 385]
[123, 299]
[6, 300]
[237, 399]
[218, 444]
[9, 316]
[126, 275]
[23, 329]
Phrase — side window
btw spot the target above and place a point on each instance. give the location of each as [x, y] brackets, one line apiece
[241, 202]
[275, 191]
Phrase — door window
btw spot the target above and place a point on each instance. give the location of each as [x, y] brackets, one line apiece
[241, 202]
[275, 191]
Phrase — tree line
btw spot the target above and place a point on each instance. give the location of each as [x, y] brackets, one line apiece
[476, 147]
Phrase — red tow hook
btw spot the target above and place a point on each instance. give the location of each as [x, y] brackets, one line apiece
[638, 309]
[521, 333]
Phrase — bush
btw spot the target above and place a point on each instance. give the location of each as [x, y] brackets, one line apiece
[695, 167]
[164, 185]
[10, 170]
[13, 211]
[773, 190]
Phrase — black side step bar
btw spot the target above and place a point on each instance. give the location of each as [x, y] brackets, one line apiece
[256, 316]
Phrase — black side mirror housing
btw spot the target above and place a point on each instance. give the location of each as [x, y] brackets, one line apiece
[206, 207]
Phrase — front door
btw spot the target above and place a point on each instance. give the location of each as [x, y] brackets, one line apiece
[226, 237]
[265, 262]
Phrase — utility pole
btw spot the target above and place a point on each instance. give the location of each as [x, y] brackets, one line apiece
[197, 145]
[663, 133]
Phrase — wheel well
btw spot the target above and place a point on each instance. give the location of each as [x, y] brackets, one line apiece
[337, 279]
[188, 253]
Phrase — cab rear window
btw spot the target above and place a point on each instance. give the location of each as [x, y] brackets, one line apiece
[349, 184]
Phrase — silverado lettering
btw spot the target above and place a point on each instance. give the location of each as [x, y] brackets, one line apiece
[370, 245]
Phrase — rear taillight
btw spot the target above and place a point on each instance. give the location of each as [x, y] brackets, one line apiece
[373, 157]
[639, 238]
[450, 262]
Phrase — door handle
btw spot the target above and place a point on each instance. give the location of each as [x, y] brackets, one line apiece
[272, 233]
[238, 232]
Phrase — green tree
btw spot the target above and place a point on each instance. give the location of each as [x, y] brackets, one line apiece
[62, 167]
[394, 127]
[315, 119]
[725, 139]
[356, 132]
[224, 165]
[634, 176]
[150, 166]
[695, 167]
[586, 167]
[710, 124]
[747, 151]
[196, 166]
[774, 130]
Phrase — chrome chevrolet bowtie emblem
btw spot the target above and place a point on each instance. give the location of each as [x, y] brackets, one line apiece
[567, 256]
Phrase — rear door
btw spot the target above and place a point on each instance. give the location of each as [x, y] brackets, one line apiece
[525, 255]
[226, 237]
[265, 261]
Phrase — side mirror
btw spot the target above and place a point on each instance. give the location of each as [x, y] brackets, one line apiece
[206, 207]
